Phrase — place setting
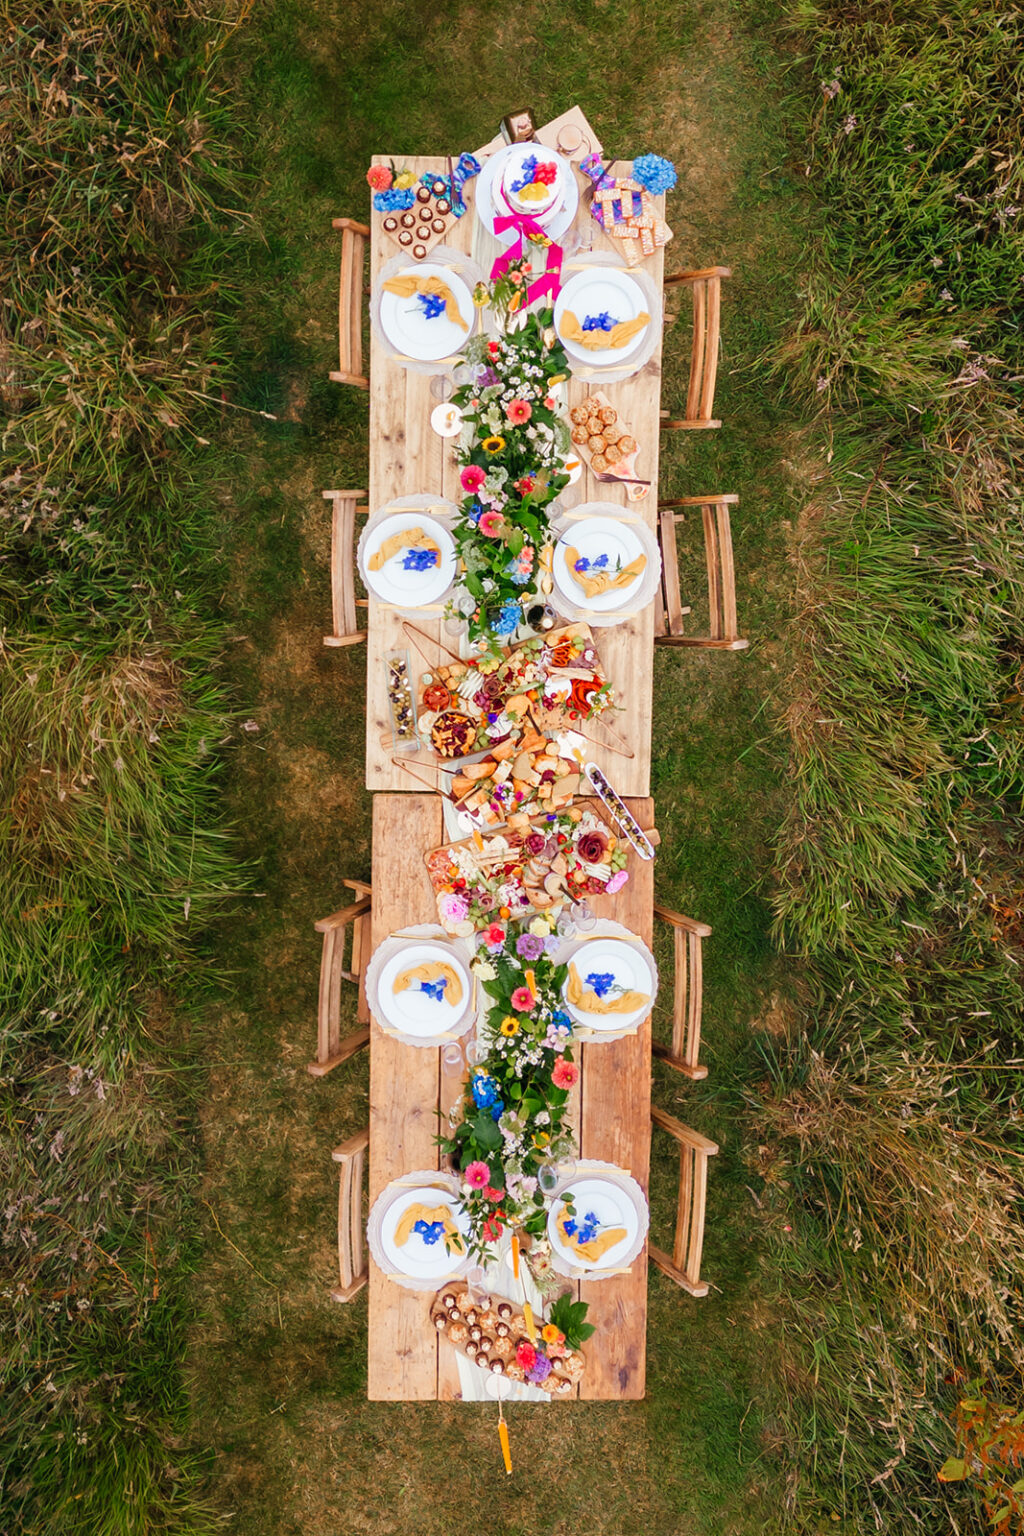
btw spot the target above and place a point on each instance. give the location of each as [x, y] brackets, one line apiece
[611, 982]
[423, 313]
[406, 553]
[597, 1222]
[418, 1231]
[608, 319]
[606, 565]
[419, 987]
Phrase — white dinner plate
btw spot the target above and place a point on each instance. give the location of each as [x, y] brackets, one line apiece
[408, 588]
[593, 537]
[598, 291]
[415, 1012]
[612, 1207]
[629, 964]
[406, 326]
[417, 1258]
[489, 181]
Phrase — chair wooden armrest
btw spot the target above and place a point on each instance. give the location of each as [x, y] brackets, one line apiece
[331, 1047]
[699, 274]
[690, 924]
[683, 1266]
[353, 1271]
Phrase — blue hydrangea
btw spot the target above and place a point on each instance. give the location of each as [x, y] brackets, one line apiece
[561, 1020]
[486, 1091]
[655, 173]
[394, 199]
[509, 619]
[520, 578]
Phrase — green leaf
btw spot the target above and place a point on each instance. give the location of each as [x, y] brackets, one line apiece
[485, 1131]
[953, 1471]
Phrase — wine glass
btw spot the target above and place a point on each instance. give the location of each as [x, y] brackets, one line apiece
[462, 374]
[548, 1176]
[452, 1060]
[476, 1053]
[583, 916]
[442, 386]
[476, 1275]
[565, 927]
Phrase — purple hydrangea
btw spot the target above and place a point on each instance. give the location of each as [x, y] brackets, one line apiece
[540, 1370]
[529, 946]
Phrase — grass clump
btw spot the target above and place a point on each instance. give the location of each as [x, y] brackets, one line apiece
[118, 178]
[892, 1148]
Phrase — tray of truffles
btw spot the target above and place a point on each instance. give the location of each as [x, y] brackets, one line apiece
[494, 1336]
[606, 442]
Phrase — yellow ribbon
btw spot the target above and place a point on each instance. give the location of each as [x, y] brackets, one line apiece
[588, 1001]
[410, 538]
[419, 1212]
[596, 341]
[430, 970]
[596, 582]
[597, 1246]
[406, 286]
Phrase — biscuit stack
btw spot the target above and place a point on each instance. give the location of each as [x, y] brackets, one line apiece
[595, 427]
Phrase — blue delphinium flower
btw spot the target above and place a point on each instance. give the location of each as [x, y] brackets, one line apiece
[433, 304]
[601, 322]
[655, 173]
[529, 167]
[601, 982]
[420, 559]
[430, 1231]
[583, 1231]
[435, 989]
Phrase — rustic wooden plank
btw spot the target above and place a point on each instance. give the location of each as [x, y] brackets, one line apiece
[616, 1083]
[404, 1088]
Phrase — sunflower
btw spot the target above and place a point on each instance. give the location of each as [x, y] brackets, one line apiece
[509, 1025]
[493, 444]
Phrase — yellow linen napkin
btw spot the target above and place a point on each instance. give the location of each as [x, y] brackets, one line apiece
[586, 998]
[431, 970]
[595, 341]
[409, 538]
[418, 1212]
[597, 1246]
[596, 582]
[408, 285]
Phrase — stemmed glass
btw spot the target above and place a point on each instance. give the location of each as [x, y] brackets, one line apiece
[442, 386]
[476, 1053]
[476, 1275]
[583, 916]
[565, 927]
[464, 604]
[452, 1059]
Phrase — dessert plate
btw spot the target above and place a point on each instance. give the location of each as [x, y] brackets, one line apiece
[406, 324]
[601, 291]
[630, 968]
[423, 1256]
[596, 540]
[403, 577]
[418, 1009]
[601, 1207]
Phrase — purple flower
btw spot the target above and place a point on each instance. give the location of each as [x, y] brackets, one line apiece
[529, 946]
[486, 376]
[540, 1370]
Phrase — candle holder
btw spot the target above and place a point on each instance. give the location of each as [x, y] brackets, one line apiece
[519, 127]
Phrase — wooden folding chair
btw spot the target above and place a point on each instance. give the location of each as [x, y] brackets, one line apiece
[353, 1271]
[706, 287]
[669, 614]
[694, 1150]
[350, 304]
[331, 1049]
[683, 1053]
[344, 507]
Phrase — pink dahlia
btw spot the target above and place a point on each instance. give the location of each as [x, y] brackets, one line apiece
[491, 524]
[523, 1000]
[477, 1175]
[472, 478]
[518, 411]
[564, 1074]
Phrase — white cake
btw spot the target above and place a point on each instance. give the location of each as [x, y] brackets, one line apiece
[543, 208]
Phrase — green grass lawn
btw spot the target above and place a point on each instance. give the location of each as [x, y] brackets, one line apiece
[278, 1371]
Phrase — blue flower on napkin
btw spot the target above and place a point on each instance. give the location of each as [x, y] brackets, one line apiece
[420, 559]
[601, 982]
[433, 304]
[435, 989]
[601, 322]
[430, 1231]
